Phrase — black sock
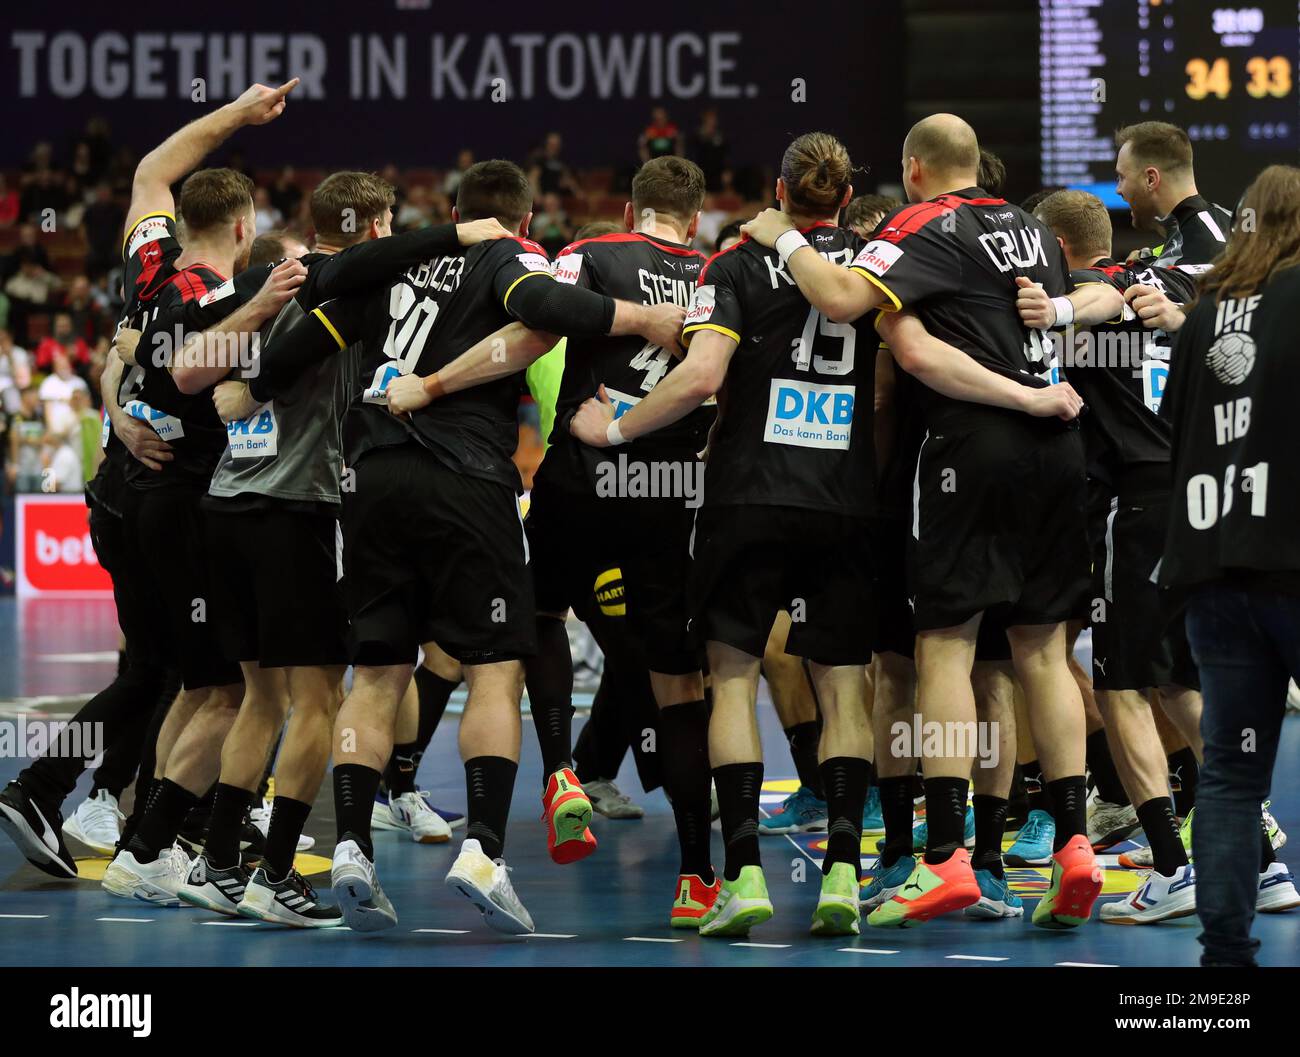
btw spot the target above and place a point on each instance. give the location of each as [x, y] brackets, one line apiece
[288, 817]
[990, 821]
[355, 787]
[1018, 803]
[399, 775]
[1070, 799]
[549, 676]
[945, 817]
[162, 820]
[803, 739]
[684, 758]
[738, 787]
[489, 784]
[896, 809]
[229, 806]
[1102, 766]
[434, 692]
[146, 789]
[845, 779]
[1161, 828]
[1037, 793]
[1266, 855]
[1184, 776]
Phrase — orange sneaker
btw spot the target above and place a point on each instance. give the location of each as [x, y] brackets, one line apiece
[694, 898]
[1076, 884]
[931, 890]
[567, 814]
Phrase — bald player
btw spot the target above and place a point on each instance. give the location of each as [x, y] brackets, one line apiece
[998, 517]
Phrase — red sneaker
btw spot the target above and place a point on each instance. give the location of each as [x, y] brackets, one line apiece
[1076, 884]
[694, 899]
[567, 814]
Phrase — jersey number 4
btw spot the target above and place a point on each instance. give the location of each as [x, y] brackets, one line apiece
[654, 361]
[411, 322]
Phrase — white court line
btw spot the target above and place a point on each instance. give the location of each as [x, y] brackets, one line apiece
[549, 935]
[863, 950]
[24, 917]
[648, 939]
[768, 946]
[1088, 965]
[975, 958]
[445, 932]
[233, 924]
[139, 921]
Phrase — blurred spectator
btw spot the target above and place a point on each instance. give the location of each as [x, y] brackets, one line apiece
[712, 218]
[26, 441]
[56, 393]
[62, 467]
[64, 340]
[88, 319]
[451, 183]
[415, 211]
[29, 247]
[83, 164]
[101, 226]
[15, 372]
[394, 177]
[45, 189]
[286, 195]
[8, 204]
[660, 137]
[275, 246]
[267, 217]
[89, 453]
[865, 213]
[549, 173]
[551, 225]
[709, 150]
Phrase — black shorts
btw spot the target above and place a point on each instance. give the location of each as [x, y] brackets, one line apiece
[432, 554]
[576, 540]
[895, 632]
[752, 561]
[1137, 642]
[275, 588]
[163, 528]
[999, 522]
[121, 562]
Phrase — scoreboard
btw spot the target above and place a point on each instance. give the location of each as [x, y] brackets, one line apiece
[1226, 74]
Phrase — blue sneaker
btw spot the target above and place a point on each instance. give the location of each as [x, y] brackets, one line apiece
[997, 901]
[873, 821]
[801, 812]
[1033, 844]
[921, 832]
[885, 883]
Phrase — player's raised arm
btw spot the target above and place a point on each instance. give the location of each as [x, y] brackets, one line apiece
[948, 370]
[186, 148]
[837, 293]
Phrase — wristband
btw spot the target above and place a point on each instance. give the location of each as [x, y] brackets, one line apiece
[614, 435]
[1064, 311]
[787, 242]
[432, 387]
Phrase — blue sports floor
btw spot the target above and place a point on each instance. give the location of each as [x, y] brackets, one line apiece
[610, 909]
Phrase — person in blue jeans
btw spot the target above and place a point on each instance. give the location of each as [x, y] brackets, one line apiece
[1233, 544]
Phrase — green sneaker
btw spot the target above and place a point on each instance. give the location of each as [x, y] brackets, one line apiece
[741, 904]
[837, 906]
[1185, 833]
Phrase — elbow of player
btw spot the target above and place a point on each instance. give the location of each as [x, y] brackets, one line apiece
[705, 383]
[188, 380]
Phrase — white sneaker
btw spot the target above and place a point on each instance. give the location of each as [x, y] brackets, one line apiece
[411, 812]
[1142, 858]
[486, 884]
[261, 818]
[1157, 899]
[611, 801]
[1293, 697]
[1108, 823]
[97, 823]
[1277, 890]
[356, 887]
[157, 882]
[1276, 834]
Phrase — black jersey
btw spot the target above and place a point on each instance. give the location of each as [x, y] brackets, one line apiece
[1231, 399]
[155, 288]
[898, 472]
[1120, 369]
[791, 430]
[1196, 231]
[955, 260]
[429, 316]
[629, 266]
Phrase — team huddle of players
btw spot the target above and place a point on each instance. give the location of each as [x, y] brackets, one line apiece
[927, 521]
